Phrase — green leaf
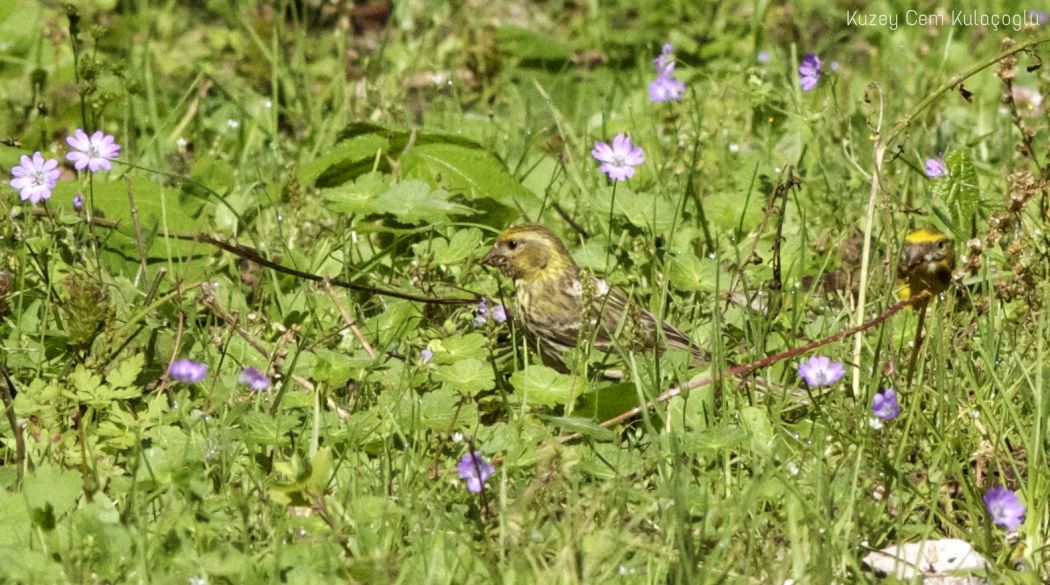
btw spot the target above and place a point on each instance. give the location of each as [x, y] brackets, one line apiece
[468, 376]
[584, 426]
[457, 347]
[414, 202]
[445, 409]
[959, 191]
[461, 246]
[532, 46]
[687, 272]
[61, 488]
[472, 171]
[759, 429]
[126, 372]
[320, 471]
[85, 381]
[541, 385]
[344, 161]
[357, 197]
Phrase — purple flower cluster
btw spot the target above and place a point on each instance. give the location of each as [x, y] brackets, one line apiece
[666, 87]
[809, 70]
[254, 379]
[475, 470]
[497, 314]
[187, 371]
[885, 406]
[35, 177]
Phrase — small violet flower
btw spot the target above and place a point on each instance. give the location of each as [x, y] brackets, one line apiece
[820, 371]
[666, 87]
[1004, 507]
[187, 370]
[93, 153]
[78, 202]
[885, 405]
[763, 57]
[498, 314]
[1038, 17]
[935, 167]
[35, 177]
[619, 159]
[809, 71]
[475, 470]
[426, 355]
[254, 379]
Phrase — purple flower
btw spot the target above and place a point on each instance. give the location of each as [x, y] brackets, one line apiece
[666, 88]
[474, 470]
[763, 57]
[885, 405]
[1004, 507]
[35, 177]
[665, 60]
[809, 71]
[820, 371]
[187, 370]
[254, 379]
[92, 152]
[935, 167]
[78, 202]
[426, 355]
[482, 317]
[499, 314]
[618, 161]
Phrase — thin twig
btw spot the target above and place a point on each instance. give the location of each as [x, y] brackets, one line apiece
[349, 319]
[140, 243]
[572, 223]
[6, 388]
[762, 363]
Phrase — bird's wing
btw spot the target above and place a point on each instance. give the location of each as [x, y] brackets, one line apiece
[626, 321]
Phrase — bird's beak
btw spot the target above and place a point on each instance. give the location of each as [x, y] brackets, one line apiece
[493, 258]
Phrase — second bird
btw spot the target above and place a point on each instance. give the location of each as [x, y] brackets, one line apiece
[559, 307]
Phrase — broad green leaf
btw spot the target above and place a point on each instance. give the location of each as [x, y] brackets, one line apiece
[462, 244]
[584, 426]
[759, 429]
[471, 345]
[687, 272]
[320, 471]
[357, 197]
[52, 485]
[542, 385]
[468, 376]
[414, 202]
[463, 169]
[445, 409]
[344, 161]
[126, 372]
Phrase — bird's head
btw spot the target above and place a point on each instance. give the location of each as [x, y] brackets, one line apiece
[529, 252]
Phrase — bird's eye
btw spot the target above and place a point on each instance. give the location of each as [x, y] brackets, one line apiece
[512, 244]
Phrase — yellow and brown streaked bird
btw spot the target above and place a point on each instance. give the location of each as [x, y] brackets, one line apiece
[555, 300]
[925, 264]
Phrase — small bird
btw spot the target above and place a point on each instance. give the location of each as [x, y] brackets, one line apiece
[560, 308]
[925, 264]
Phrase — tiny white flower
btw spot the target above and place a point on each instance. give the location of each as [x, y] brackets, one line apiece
[457, 437]
[875, 423]
[181, 142]
[792, 468]
[232, 123]
[734, 148]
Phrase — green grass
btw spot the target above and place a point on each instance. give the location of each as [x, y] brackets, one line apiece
[386, 150]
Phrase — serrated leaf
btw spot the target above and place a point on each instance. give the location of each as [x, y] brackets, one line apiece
[542, 385]
[445, 409]
[357, 197]
[471, 345]
[462, 244]
[61, 488]
[84, 380]
[959, 191]
[468, 376]
[413, 201]
[464, 169]
[344, 161]
[126, 372]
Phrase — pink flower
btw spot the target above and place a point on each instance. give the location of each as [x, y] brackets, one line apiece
[618, 161]
[35, 177]
[92, 152]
